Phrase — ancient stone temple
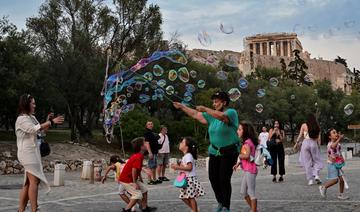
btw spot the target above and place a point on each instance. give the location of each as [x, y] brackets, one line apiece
[266, 50]
[273, 44]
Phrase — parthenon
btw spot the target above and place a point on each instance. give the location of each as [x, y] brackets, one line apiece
[273, 44]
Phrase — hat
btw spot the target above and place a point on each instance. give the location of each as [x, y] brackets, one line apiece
[222, 96]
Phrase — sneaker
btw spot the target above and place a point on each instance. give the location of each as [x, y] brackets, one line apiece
[317, 180]
[322, 190]
[281, 179]
[342, 196]
[274, 180]
[311, 182]
[158, 181]
[218, 208]
[165, 179]
[152, 182]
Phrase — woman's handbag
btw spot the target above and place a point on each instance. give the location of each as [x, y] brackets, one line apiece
[271, 143]
[44, 147]
[180, 180]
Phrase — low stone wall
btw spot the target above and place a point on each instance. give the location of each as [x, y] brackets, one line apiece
[14, 166]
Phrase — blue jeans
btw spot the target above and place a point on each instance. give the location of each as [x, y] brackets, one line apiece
[152, 163]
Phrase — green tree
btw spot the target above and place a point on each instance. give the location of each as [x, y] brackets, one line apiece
[296, 69]
[341, 60]
[73, 35]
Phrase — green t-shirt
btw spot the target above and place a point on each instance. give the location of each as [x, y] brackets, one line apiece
[220, 133]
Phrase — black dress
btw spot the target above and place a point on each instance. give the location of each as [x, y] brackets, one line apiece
[277, 154]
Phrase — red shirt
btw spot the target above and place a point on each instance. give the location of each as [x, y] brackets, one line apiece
[135, 161]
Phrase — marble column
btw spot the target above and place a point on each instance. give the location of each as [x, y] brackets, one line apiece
[261, 48]
[289, 49]
[268, 48]
[281, 48]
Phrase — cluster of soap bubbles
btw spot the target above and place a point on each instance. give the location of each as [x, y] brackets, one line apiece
[147, 81]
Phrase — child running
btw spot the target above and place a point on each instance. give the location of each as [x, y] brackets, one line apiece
[116, 165]
[247, 133]
[335, 174]
[187, 165]
[130, 177]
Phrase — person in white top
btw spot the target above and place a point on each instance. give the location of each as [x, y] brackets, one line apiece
[26, 129]
[164, 153]
[263, 137]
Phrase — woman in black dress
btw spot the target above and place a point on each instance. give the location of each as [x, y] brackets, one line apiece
[276, 148]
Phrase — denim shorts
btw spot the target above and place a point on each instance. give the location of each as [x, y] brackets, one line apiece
[152, 163]
[333, 172]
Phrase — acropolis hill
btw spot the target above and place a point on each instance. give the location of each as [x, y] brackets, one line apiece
[266, 50]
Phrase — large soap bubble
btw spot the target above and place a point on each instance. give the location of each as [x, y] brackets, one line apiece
[161, 83]
[187, 96]
[158, 70]
[259, 108]
[170, 90]
[274, 82]
[231, 60]
[349, 109]
[138, 86]
[222, 75]
[130, 89]
[234, 94]
[183, 74]
[190, 88]
[204, 38]
[226, 29]
[243, 83]
[172, 75]
[148, 76]
[193, 74]
[261, 93]
[201, 84]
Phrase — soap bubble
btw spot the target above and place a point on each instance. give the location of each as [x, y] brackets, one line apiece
[143, 98]
[187, 97]
[153, 84]
[349, 109]
[147, 89]
[308, 78]
[292, 97]
[204, 38]
[161, 83]
[128, 95]
[190, 88]
[259, 108]
[261, 92]
[183, 74]
[231, 60]
[170, 90]
[243, 83]
[172, 75]
[211, 59]
[222, 75]
[234, 94]
[227, 30]
[148, 76]
[154, 97]
[159, 92]
[130, 89]
[274, 82]
[138, 86]
[201, 84]
[193, 74]
[158, 70]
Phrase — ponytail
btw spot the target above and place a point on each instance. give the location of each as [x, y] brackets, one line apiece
[192, 146]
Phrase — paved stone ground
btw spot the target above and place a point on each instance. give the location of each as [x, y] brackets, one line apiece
[291, 195]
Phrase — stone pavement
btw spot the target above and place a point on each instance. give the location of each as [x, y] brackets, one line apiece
[291, 195]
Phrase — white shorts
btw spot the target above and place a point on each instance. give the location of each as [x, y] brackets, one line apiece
[121, 189]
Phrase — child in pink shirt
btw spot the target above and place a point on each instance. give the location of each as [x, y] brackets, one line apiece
[248, 135]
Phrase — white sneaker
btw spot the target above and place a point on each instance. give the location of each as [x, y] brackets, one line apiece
[322, 190]
[317, 180]
[342, 196]
[311, 182]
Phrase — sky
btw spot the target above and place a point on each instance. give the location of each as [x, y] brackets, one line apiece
[326, 28]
